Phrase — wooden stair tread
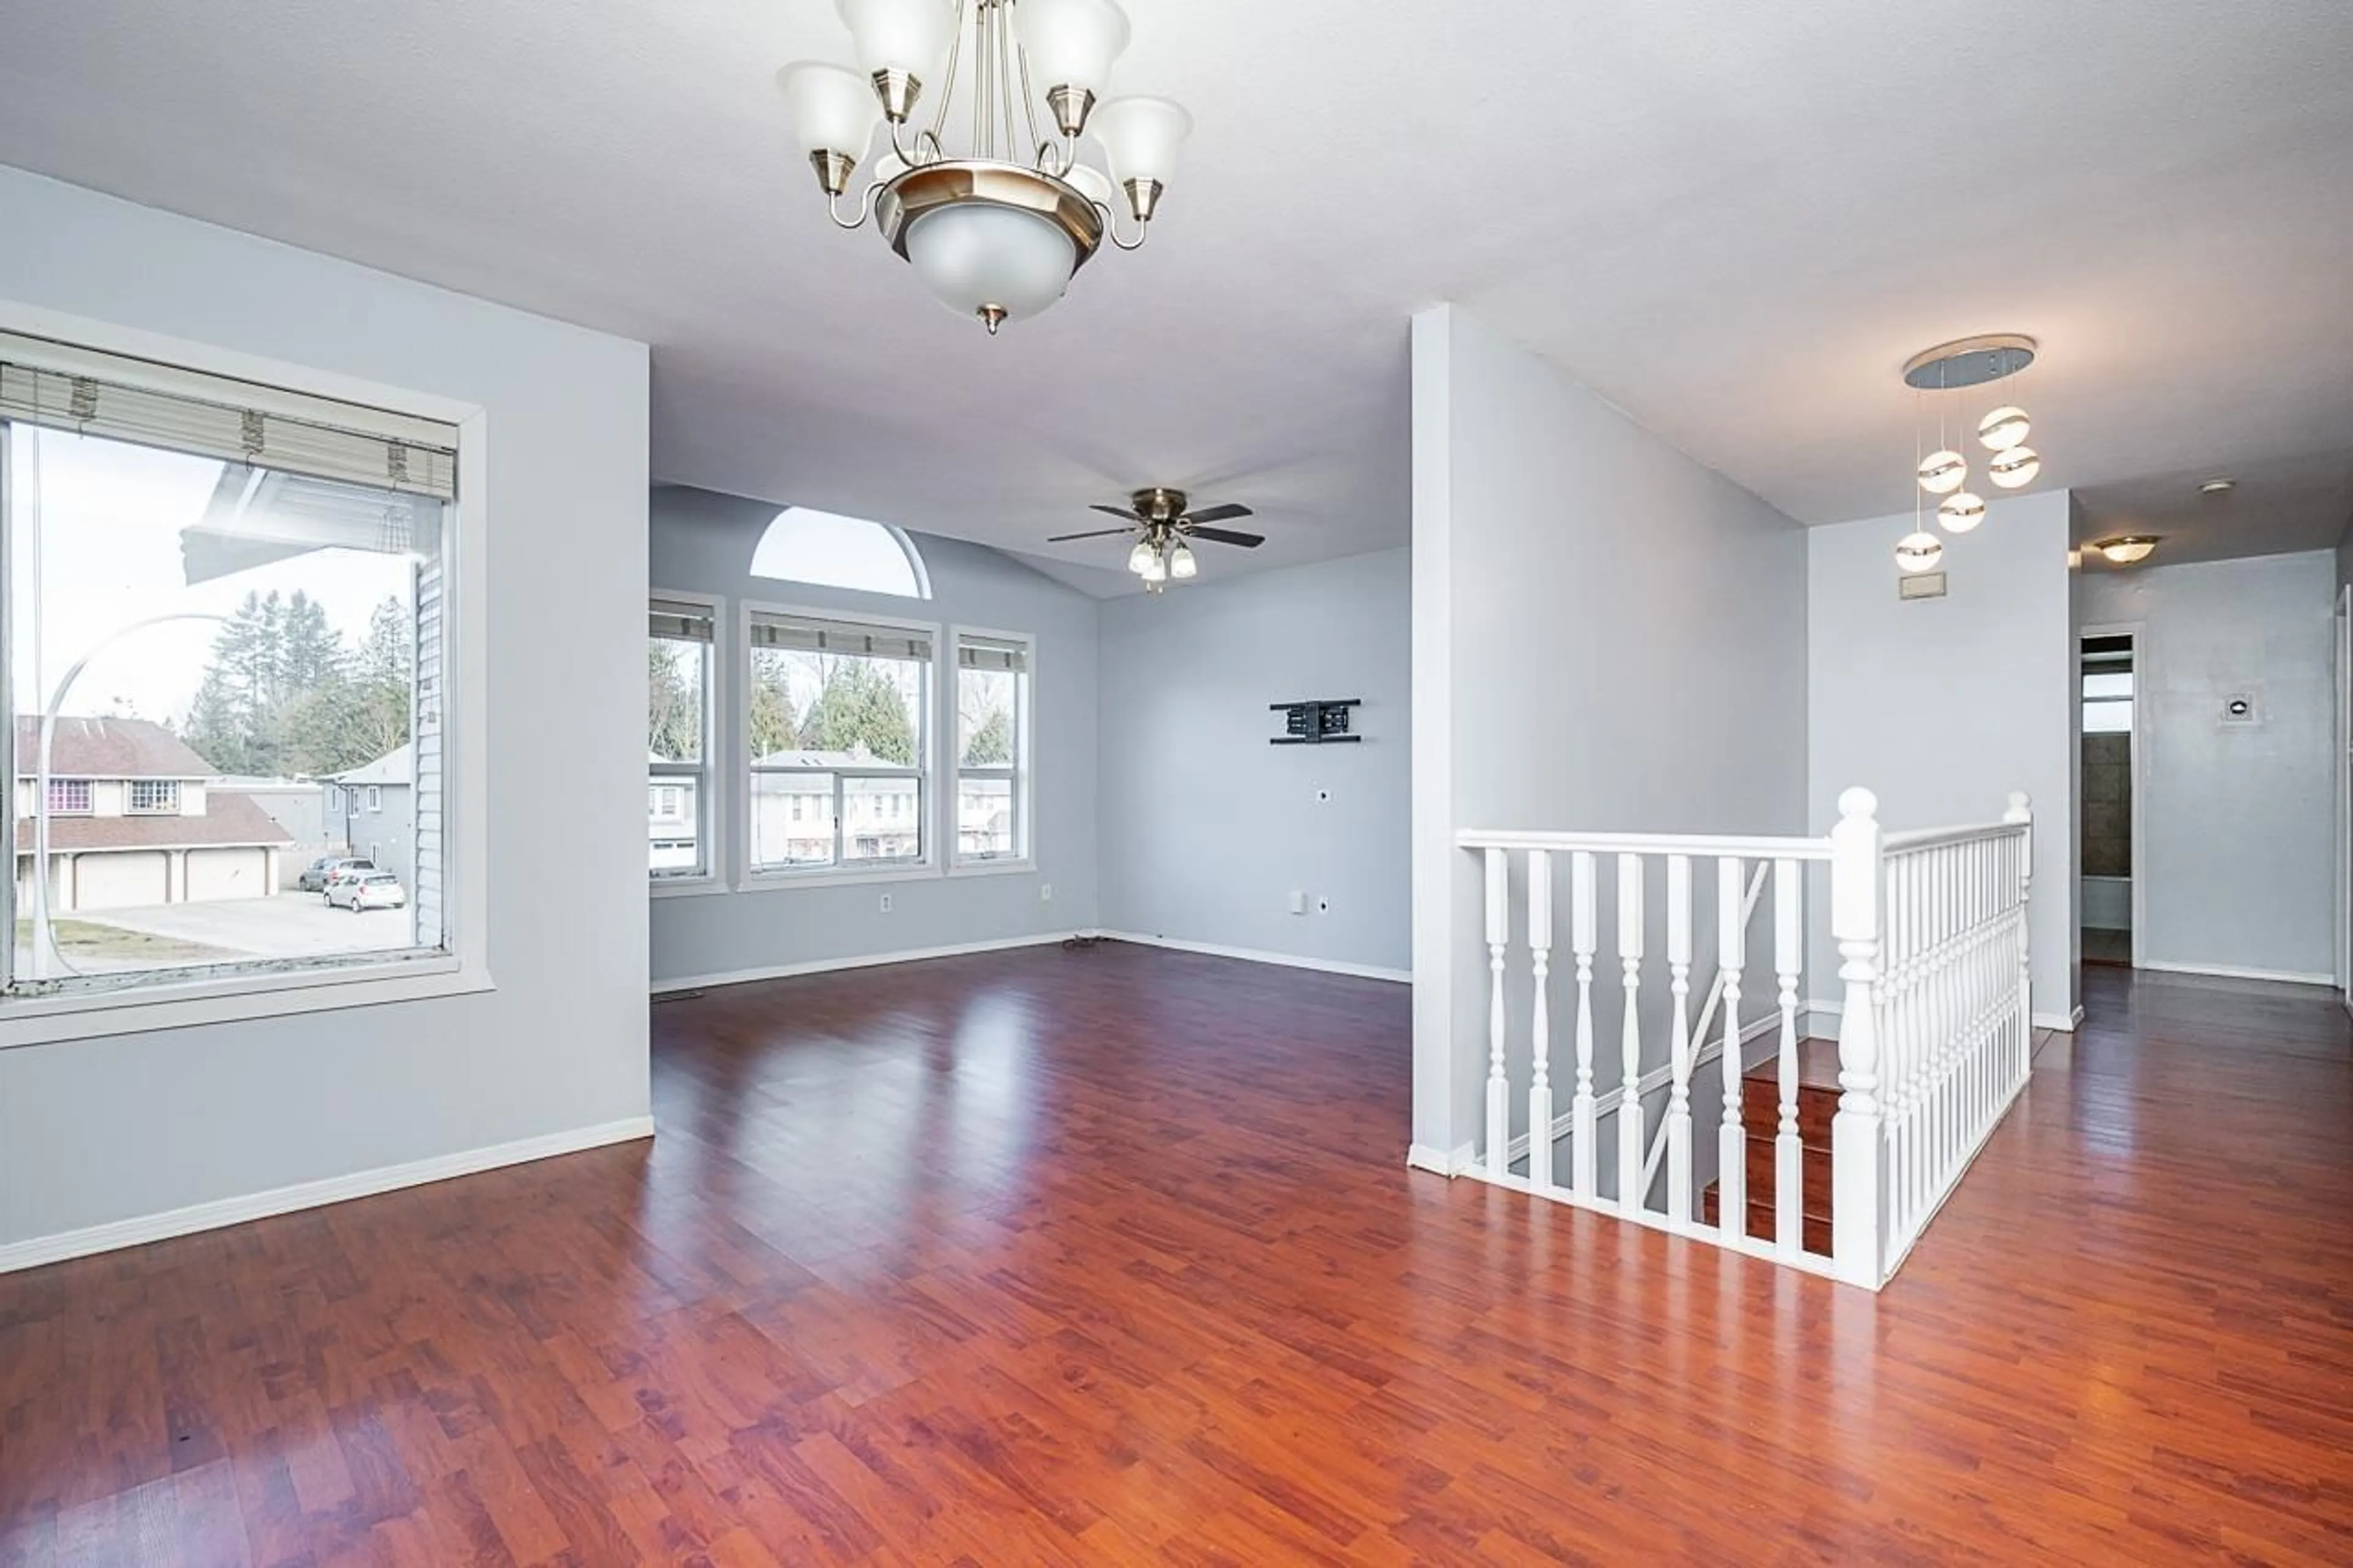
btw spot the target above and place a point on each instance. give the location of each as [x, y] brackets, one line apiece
[1818, 1066]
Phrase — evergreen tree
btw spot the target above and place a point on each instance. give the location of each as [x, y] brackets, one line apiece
[990, 745]
[772, 726]
[284, 695]
[860, 705]
[673, 705]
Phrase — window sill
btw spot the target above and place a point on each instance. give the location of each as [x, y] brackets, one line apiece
[45, 1020]
[782, 881]
[686, 887]
[993, 867]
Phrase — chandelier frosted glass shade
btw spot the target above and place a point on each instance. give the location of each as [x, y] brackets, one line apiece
[2014, 467]
[1918, 552]
[1000, 263]
[1140, 136]
[2002, 429]
[1139, 560]
[905, 36]
[2130, 550]
[1960, 513]
[1071, 43]
[1942, 473]
[834, 110]
[1181, 564]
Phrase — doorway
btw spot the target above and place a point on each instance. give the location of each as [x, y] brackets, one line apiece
[2107, 814]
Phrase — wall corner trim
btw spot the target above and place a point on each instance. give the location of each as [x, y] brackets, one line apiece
[143, 1228]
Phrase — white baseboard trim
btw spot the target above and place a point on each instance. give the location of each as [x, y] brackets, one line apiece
[1422, 1157]
[1657, 1078]
[2065, 1022]
[1261, 955]
[144, 1228]
[856, 961]
[2232, 971]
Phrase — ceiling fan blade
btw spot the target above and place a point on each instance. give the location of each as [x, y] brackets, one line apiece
[1220, 513]
[1129, 513]
[1227, 536]
[1097, 533]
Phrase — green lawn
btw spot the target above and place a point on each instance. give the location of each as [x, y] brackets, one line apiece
[87, 939]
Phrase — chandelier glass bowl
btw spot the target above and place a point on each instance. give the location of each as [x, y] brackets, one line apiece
[2014, 467]
[1961, 512]
[1918, 552]
[997, 226]
[1942, 473]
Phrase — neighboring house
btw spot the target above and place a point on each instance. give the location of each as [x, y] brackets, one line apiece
[372, 811]
[298, 806]
[792, 813]
[672, 820]
[132, 821]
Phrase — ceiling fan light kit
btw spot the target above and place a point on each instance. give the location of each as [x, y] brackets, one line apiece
[996, 229]
[1165, 526]
[1955, 367]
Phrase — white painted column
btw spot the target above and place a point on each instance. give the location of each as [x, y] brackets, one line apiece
[1855, 1166]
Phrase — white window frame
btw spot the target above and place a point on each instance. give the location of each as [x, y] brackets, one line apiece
[169, 795]
[709, 794]
[1025, 819]
[298, 986]
[925, 774]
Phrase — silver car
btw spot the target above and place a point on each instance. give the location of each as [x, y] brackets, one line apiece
[367, 890]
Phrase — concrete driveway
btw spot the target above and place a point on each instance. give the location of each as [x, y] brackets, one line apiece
[290, 925]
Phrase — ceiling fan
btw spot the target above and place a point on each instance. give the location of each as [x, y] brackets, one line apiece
[1163, 526]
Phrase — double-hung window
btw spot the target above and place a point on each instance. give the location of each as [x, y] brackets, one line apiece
[992, 782]
[838, 742]
[681, 804]
[205, 577]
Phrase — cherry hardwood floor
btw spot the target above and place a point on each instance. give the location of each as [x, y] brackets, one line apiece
[1102, 1256]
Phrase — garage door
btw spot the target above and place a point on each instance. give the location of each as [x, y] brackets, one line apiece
[119, 881]
[227, 874]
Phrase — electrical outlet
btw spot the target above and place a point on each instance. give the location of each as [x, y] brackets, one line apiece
[1298, 903]
[1323, 906]
[1045, 892]
[886, 903]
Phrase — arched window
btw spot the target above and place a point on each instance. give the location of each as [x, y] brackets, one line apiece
[804, 545]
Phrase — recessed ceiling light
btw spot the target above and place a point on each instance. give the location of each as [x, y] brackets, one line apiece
[2218, 486]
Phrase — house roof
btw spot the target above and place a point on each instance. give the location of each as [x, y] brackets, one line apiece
[861, 758]
[229, 821]
[108, 749]
[396, 766]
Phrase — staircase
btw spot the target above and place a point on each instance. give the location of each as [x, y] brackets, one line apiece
[1818, 1098]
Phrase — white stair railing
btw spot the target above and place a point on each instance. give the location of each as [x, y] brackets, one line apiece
[1934, 1034]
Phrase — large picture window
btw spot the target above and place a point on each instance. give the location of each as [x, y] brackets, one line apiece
[835, 715]
[681, 804]
[215, 591]
[992, 704]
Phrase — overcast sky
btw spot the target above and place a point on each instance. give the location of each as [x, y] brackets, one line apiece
[110, 516]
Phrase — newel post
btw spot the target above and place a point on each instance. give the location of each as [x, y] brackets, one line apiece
[1856, 1177]
[2021, 811]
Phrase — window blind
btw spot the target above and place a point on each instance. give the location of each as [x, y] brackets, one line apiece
[94, 394]
[992, 653]
[681, 622]
[811, 635]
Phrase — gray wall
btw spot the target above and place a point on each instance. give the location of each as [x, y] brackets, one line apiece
[111, 1129]
[2238, 853]
[1214, 828]
[702, 542]
[1607, 635]
[1943, 707]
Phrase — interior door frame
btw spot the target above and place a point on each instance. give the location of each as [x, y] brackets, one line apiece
[2343, 784]
[2138, 632]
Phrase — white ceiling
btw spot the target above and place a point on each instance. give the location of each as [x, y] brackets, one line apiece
[1733, 220]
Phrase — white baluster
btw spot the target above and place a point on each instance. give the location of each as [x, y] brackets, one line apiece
[1499, 936]
[1789, 1152]
[1540, 1086]
[1583, 1160]
[2021, 811]
[1731, 1139]
[1679, 1121]
[1630, 1141]
[1855, 1149]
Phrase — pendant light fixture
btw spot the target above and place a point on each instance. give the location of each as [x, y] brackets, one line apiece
[1940, 373]
[995, 228]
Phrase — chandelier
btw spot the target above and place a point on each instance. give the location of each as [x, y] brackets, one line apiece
[997, 226]
[2011, 464]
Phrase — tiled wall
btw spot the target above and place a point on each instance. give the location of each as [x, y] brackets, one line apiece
[2107, 805]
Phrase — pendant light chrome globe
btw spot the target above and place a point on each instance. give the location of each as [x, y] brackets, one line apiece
[1942, 473]
[997, 229]
[2014, 467]
[1960, 513]
[1918, 552]
[2002, 429]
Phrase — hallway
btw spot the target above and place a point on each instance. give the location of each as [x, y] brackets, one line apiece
[1054, 1257]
